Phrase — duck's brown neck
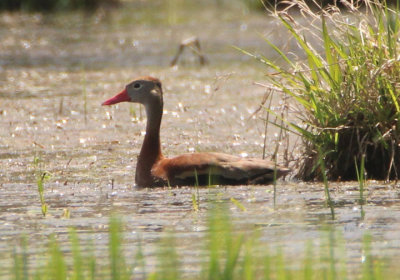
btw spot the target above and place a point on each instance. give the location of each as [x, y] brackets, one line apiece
[151, 148]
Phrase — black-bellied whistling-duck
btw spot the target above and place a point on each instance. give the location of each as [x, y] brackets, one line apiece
[153, 169]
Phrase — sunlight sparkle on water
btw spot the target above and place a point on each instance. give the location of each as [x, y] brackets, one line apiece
[26, 44]
[207, 89]
[135, 43]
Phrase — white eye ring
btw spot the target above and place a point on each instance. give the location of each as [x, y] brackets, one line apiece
[137, 86]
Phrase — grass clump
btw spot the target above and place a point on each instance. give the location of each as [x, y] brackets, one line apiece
[346, 89]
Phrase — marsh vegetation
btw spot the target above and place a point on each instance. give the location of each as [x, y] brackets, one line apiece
[57, 68]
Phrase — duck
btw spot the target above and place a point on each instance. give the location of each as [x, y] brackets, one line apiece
[153, 169]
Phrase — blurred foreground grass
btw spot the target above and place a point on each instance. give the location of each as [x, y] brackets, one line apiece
[228, 254]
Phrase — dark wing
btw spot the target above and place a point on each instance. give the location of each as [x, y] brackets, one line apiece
[226, 169]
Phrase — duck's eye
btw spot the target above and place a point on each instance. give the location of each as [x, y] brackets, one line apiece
[137, 85]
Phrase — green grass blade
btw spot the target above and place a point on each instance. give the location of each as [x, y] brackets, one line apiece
[168, 259]
[56, 268]
[328, 198]
[238, 204]
[77, 272]
[21, 265]
[308, 268]
[281, 53]
[331, 59]
[303, 132]
[118, 269]
[314, 62]
[233, 249]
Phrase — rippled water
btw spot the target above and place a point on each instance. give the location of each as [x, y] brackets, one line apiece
[57, 69]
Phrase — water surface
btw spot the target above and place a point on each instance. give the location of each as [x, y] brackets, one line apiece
[56, 70]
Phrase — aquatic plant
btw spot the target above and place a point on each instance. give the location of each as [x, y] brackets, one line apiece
[361, 183]
[118, 268]
[228, 254]
[346, 89]
[196, 194]
[282, 135]
[41, 178]
[328, 199]
[262, 4]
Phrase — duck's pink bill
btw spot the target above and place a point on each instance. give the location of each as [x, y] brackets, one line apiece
[120, 97]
